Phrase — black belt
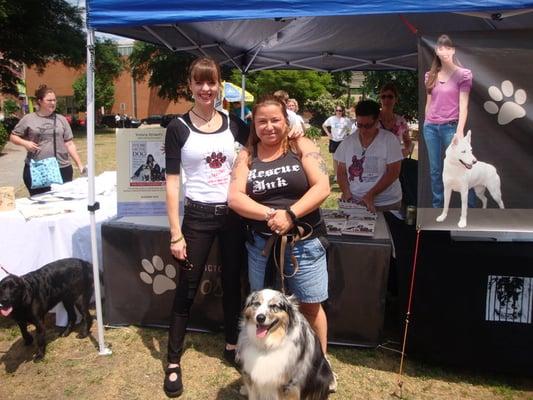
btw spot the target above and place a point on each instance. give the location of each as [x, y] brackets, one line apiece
[216, 209]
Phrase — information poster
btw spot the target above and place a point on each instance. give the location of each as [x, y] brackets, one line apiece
[140, 172]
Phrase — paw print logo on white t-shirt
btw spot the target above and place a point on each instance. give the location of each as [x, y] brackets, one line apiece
[512, 108]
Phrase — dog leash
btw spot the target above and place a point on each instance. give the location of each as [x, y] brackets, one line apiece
[280, 242]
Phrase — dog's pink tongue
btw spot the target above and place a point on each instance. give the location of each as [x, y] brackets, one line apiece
[261, 331]
[5, 312]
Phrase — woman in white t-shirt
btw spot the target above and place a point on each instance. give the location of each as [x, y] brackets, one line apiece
[369, 162]
[201, 144]
[337, 127]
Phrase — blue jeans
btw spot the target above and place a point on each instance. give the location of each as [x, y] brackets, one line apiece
[438, 137]
[309, 284]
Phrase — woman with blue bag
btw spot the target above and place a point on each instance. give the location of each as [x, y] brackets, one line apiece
[46, 135]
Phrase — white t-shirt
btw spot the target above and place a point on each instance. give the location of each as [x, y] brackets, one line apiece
[294, 119]
[339, 127]
[366, 167]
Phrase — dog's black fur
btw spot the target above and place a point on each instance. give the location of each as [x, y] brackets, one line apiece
[28, 298]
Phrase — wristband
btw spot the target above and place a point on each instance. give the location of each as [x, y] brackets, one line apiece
[292, 215]
[177, 240]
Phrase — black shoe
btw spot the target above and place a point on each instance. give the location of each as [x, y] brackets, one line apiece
[229, 356]
[173, 388]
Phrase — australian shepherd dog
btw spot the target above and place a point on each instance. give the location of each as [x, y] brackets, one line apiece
[279, 354]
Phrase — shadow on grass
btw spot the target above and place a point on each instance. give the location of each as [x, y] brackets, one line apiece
[231, 391]
[20, 353]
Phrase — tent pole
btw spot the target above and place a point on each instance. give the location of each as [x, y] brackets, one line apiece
[92, 205]
[243, 93]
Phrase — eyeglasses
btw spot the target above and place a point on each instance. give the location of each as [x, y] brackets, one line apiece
[338, 110]
[387, 96]
[366, 126]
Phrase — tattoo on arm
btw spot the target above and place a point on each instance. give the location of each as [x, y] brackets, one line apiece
[321, 163]
[239, 160]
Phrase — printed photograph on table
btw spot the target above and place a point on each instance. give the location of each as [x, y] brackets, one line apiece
[475, 143]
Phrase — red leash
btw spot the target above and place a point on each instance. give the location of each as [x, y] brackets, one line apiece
[409, 303]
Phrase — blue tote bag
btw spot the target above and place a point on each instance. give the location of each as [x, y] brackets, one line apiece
[46, 171]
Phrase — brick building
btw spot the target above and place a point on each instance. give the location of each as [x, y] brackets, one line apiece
[135, 99]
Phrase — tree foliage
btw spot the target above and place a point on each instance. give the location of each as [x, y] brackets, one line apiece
[108, 66]
[301, 85]
[167, 70]
[11, 107]
[407, 84]
[36, 32]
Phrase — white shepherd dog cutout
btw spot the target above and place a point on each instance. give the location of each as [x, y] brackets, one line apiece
[461, 172]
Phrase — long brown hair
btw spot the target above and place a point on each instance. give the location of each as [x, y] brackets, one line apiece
[204, 69]
[253, 139]
[436, 65]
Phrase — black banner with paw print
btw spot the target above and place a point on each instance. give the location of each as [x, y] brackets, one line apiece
[500, 121]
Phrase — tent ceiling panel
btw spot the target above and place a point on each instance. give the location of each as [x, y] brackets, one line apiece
[356, 42]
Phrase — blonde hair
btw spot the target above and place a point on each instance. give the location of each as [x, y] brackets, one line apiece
[295, 102]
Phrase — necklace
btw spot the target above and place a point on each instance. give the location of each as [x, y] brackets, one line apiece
[204, 119]
[367, 145]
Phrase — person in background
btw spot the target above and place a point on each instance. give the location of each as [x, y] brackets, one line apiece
[448, 87]
[296, 123]
[278, 185]
[292, 105]
[392, 122]
[35, 132]
[201, 144]
[370, 162]
[337, 127]
[236, 110]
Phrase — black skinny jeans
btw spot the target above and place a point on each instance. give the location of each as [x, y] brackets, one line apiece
[200, 229]
[66, 173]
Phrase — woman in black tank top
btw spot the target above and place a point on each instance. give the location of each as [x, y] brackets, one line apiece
[277, 183]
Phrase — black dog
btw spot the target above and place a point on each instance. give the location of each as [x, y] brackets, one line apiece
[28, 298]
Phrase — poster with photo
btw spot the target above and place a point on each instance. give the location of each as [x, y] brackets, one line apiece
[147, 163]
[140, 172]
[494, 159]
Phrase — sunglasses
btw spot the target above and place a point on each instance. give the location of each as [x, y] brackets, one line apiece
[185, 264]
[387, 96]
[338, 110]
[366, 126]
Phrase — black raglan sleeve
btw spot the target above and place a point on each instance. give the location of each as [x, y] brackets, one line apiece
[175, 138]
[240, 130]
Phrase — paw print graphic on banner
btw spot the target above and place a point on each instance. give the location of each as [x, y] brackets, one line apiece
[510, 109]
[215, 160]
[159, 276]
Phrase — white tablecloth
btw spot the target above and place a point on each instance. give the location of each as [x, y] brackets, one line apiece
[28, 244]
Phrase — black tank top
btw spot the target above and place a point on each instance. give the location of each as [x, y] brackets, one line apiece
[278, 184]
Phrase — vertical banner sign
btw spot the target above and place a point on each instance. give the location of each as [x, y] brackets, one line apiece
[499, 155]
